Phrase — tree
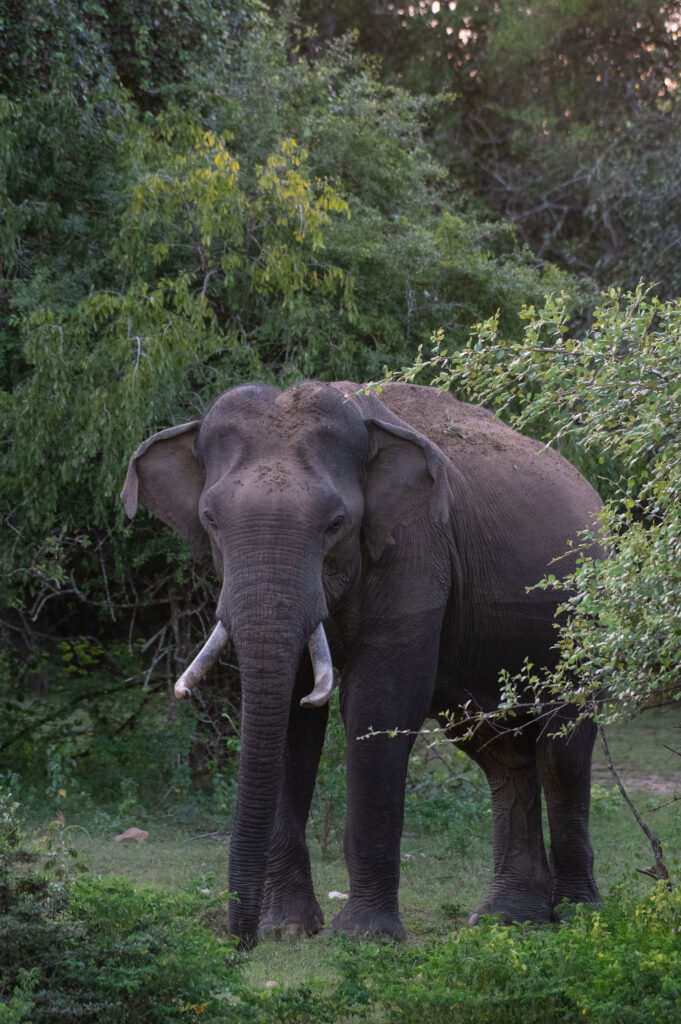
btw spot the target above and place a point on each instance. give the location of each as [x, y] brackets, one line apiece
[284, 221]
[301, 231]
[565, 118]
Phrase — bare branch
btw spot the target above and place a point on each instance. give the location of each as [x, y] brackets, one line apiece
[658, 871]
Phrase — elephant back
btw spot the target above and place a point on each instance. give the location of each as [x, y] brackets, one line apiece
[524, 499]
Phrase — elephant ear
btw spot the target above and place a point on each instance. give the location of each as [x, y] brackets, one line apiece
[406, 481]
[167, 478]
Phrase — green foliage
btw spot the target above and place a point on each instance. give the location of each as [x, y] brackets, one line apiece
[190, 199]
[610, 400]
[101, 949]
[570, 129]
[288, 252]
[563, 116]
[61, 183]
[630, 220]
[97, 738]
[616, 965]
[596, 60]
[161, 962]
[20, 1004]
[159, 51]
[613, 965]
[446, 793]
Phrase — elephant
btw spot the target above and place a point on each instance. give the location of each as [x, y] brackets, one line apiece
[393, 538]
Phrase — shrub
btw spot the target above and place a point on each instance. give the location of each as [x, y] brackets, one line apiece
[617, 965]
[101, 950]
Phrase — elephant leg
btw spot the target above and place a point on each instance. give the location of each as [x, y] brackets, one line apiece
[564, 765]
[522, 885]
[388, 688]
[290, 907]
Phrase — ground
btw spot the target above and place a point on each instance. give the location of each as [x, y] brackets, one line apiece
[444, 870]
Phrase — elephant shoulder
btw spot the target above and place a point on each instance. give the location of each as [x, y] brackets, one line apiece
[484, 448]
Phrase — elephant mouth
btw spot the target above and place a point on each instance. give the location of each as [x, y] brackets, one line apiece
[218, 640]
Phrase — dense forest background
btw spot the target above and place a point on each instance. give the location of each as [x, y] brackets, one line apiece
[195, 193]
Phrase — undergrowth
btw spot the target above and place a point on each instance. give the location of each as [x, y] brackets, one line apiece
[87, 949]
[81, 948]
[620, 964]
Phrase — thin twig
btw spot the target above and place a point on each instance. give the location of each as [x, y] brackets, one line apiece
[105, 579]
[667, 803]
[659, 870]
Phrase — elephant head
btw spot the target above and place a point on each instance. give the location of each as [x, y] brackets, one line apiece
[294, 494]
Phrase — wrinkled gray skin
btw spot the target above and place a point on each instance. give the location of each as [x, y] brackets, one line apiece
[411, 526]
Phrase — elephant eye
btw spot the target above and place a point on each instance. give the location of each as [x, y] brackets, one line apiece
[336, 524]
[208, 518]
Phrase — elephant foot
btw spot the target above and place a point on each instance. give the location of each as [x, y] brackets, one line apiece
[359, 921]
[515, 906]
[581, 891]
[291, 919]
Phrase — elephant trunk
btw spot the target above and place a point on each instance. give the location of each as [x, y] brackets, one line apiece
[266, 685]
[274, 607]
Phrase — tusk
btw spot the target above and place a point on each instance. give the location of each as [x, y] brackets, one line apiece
[204, 660]
[323, 670]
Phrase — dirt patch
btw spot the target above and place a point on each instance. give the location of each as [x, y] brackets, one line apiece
[643, 783]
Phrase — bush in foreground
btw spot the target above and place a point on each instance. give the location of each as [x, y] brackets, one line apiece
[101, 950]
[620, 964]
